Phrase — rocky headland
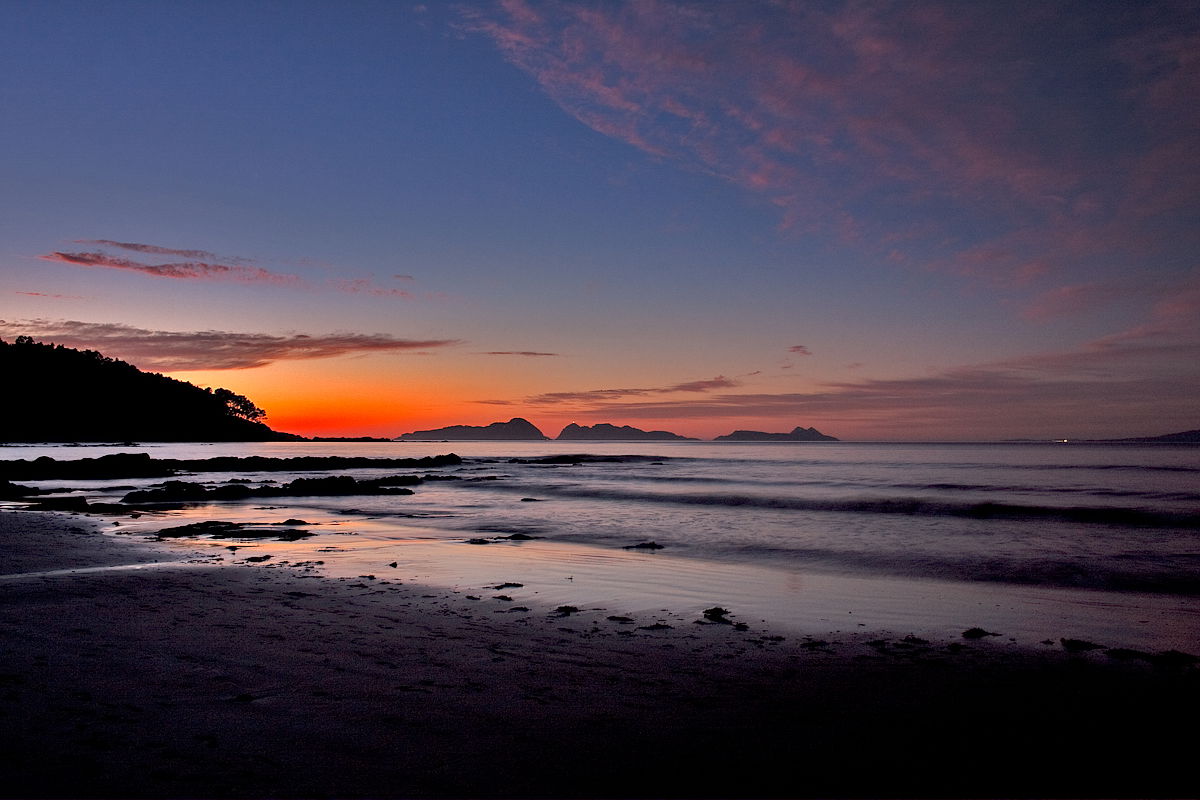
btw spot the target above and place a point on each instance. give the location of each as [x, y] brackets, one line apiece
[59, 394]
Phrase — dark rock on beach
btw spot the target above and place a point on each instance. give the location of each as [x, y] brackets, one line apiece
[977, 633]
[218, 529]
[717, 614]
[330, 486]
[141, 465]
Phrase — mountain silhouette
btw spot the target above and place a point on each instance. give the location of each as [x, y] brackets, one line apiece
[59, 394]
[604, 431]
[516, 429]
[798, 434]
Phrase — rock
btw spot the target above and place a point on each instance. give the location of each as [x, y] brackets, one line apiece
[644, 546]
[657, 626]
[507, 585]
[1079, 645]
[622, 620]
[257, 558]
[566, 611]
[977, 633]
[717, 614]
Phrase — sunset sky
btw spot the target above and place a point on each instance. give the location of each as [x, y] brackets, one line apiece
[896, 221]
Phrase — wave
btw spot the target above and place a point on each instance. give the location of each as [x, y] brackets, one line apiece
[906, 506]
[1173, 575]
[1093, 491]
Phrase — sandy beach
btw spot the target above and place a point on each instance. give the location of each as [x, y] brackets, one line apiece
[168, 676]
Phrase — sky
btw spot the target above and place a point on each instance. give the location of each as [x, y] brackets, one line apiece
[891, 221]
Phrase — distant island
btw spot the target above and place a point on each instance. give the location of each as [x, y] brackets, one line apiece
[798, 434]
[1183, 437]
[606, 432]
[59, 394]
[516, 429]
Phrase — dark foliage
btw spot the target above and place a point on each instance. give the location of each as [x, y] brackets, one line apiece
[59, 394]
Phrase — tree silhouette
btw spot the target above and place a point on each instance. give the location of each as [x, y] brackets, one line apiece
[55, 394]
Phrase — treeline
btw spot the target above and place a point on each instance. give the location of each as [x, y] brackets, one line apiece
[58, 394]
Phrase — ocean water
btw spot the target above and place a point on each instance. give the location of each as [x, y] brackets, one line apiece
[1058, 520]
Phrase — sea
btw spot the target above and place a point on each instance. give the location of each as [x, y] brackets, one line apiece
[1038, 541]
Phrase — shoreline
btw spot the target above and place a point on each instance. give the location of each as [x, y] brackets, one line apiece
[243, 681]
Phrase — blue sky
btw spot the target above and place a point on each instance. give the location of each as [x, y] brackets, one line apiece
[891, 221]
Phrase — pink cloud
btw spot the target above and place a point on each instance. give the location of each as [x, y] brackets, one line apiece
[606, 395]
[368, 286]
[151, 249]
[800, 350]
[52, 296]
[940, 113]
[527, 353]
[187, 270]
[177, 351]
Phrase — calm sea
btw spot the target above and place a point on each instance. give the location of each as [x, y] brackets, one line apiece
[1123, 518]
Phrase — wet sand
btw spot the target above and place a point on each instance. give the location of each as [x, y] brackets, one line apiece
[196, 680]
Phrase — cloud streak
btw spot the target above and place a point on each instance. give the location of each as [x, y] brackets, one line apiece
[1151, 371]
[51, 296]
[151, 249]
[179, 351]
[368, 286]
[609, 395]
[527, 353]
[183, 270]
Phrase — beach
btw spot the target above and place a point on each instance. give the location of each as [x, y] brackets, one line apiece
[195, 679]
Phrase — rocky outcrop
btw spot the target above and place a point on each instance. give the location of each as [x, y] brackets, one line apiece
[516, 429]
[624, 433]
[798, 434]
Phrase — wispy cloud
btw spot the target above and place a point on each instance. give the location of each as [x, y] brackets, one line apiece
[1149, 371]
[529, 353]
[183, 270]
[51, 296]
[177, 351]
[368, 286]
[152, 249]
[204, 265]
[934, 134]
[609, 395]
[800, 350]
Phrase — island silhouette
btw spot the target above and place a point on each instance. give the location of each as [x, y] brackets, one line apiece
[607, 432]
[798, 434]
[515, 430]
